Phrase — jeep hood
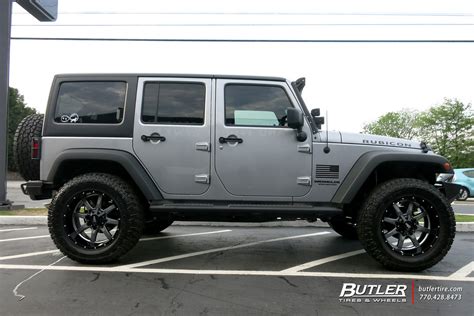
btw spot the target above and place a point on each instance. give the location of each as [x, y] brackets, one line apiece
[376, 140]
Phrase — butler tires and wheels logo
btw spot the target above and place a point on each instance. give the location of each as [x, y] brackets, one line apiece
[373, 293]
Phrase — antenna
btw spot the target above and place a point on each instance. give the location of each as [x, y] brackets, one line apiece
[327, 149]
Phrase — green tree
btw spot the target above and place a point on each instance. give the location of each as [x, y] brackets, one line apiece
[401, 124]
[448, 128]
[17, 110]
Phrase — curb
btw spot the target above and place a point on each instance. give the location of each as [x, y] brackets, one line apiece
[42, 220]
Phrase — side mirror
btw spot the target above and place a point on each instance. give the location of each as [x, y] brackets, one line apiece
[295, 120]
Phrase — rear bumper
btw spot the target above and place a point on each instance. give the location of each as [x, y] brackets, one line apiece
[450, 190]
[38, 190]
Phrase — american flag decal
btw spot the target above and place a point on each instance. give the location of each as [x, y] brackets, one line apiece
[327, 171]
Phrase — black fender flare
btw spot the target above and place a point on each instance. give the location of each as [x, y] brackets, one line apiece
[367, 163]
[129, 162]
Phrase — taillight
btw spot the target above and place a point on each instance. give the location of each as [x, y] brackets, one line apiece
[35, 148]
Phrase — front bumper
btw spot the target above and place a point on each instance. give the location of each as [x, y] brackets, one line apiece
[450, 190]
[38, 190]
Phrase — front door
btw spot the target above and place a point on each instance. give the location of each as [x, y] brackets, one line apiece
[172, 133]
[257, 154]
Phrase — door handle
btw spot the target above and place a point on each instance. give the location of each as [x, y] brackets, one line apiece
[153, 137]
[230, 139]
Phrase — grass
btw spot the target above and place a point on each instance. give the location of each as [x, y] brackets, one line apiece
[25, 212]
[464, 218]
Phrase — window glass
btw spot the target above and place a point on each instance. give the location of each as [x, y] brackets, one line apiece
[173, 103]
[469, 173]
[91, 102]
[255, 105]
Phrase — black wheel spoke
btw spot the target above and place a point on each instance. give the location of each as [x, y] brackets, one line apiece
[391, 233]
[80, 215]
[106, 232]
[109, 209]
[420, 215]
[415, 243]
[423, 229]
[410, 210]
[401, 240]
[79, 230]
[98, 205]
[94, 235]
[112, 221]
[398, 210]
[390, 220]
[87, 205]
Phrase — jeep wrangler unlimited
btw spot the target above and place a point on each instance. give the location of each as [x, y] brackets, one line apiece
[123, 154]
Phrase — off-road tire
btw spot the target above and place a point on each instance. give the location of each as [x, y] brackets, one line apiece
[154, 226]
[369, 224]
[344, 228]
[131, 217]
[463, 194]
[31, 126]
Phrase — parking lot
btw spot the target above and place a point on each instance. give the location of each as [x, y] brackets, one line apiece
[191, 270]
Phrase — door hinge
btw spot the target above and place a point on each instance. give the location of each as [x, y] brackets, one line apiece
[306, 148]
[303, 181]
[203, 146]
[202, 178]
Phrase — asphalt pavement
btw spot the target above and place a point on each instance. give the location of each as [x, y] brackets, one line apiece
[191, 270]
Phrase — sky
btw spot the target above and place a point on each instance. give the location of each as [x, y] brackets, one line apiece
[354, 82]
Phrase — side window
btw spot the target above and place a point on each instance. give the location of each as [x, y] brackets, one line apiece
[255, 105]
[100, 102]
[469, 173]
[174, 103]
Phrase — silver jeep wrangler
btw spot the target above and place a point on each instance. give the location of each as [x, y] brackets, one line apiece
[126, 154]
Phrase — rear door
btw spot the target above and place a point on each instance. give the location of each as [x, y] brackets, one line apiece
[172, 132]
[265, 159]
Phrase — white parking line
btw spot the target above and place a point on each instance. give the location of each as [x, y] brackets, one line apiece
[464, 271]
[318, 262]
[30, 254]
[198, 253]
[187, 235]
[239, 272]
[15, 229]
[23, 238]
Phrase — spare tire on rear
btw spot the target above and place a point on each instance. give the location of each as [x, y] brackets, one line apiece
[30, 127]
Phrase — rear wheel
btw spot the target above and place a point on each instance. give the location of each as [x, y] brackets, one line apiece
[407, 225]
[344, 227]
[463, 194]
[95, 218]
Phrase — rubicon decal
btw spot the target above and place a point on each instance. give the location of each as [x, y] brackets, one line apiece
[373, 293]
[386, 143]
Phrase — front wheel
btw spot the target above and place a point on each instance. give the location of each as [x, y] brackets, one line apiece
[95, 218]
[407, 225]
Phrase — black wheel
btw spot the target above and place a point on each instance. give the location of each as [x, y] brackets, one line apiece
[31, 126]
[463, 194]
[344, 227]
[95, 218]
[154, 226]
[407, 225]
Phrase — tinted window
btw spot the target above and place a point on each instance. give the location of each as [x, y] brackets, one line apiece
[255, 105]
[91, 102]
[469, 173]
[173, 103]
